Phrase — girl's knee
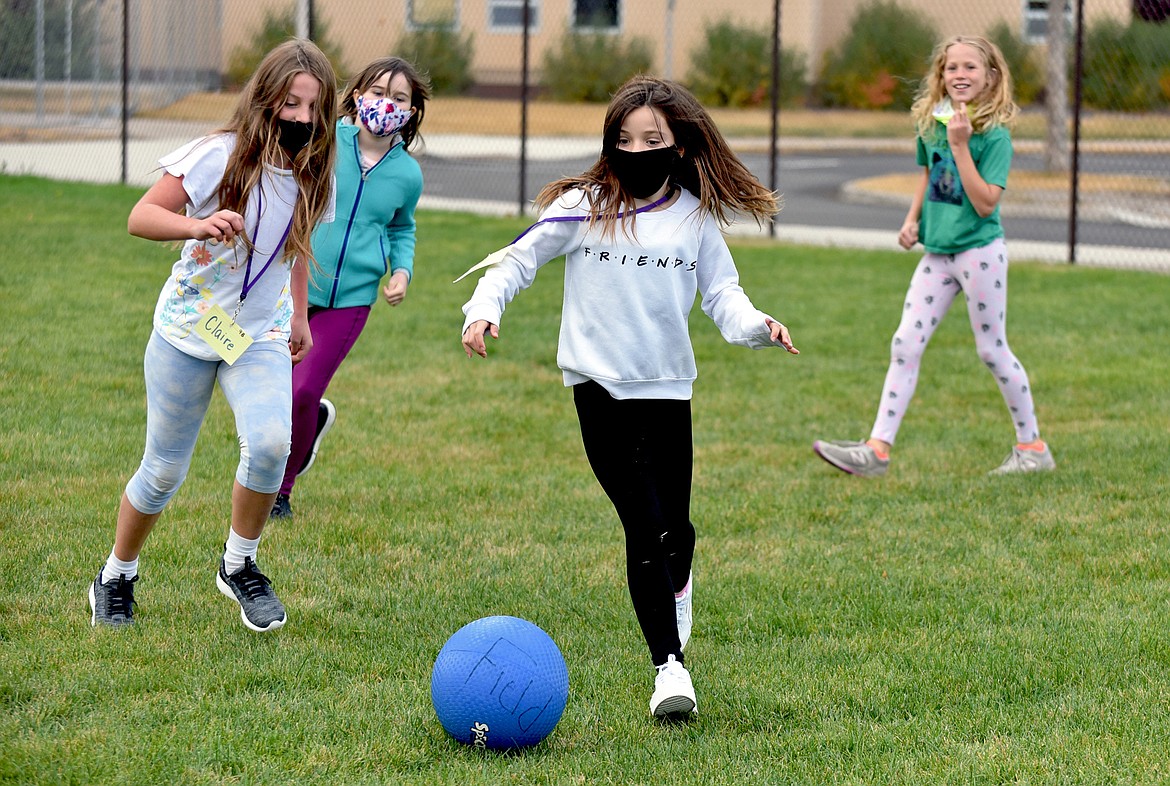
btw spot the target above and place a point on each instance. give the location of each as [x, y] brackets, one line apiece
[992, 350]
[305, 401]
[906, 348]
[264, 454]
[152, 488]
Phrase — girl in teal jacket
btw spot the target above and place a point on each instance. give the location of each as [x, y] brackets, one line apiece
[378, 188]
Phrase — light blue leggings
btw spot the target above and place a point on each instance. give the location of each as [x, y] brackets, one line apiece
[980, 274]
[258, 388]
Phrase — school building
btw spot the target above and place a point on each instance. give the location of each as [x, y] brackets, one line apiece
[366, 29]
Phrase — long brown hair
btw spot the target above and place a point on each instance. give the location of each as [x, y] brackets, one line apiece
[254, 122]
[708, 168]
[420, 91]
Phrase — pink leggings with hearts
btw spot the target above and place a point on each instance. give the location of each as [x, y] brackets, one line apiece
[981, 275]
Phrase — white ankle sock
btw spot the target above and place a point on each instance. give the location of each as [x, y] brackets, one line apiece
[115, 567]
[237, 549]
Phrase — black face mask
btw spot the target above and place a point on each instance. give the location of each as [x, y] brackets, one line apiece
[642, 173]
[294, 136]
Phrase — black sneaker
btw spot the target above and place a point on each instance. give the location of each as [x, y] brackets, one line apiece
[113, 602]
[326, 414]
[260, 609]
[282, 508]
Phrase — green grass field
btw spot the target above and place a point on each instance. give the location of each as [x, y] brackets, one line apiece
[935, 626]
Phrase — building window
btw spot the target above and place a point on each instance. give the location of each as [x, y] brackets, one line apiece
[508, 15]
[596, 15]
[1036, 20]
[431, 14]
[1152, 10]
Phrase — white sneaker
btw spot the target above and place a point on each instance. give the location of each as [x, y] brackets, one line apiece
[673, 692]
[682, 612]
[1026, 461]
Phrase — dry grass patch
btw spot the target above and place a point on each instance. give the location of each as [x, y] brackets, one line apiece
[501, 117]
[1032, 183]
[462, 115]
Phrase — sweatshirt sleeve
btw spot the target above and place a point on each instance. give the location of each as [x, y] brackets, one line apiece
[400, 232]
[723, 299]
[544, 241]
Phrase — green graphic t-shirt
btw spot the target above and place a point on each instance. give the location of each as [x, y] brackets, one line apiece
[949, 223]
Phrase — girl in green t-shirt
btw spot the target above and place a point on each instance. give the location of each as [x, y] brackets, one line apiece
[962, 113]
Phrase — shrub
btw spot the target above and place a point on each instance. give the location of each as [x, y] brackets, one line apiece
[442, 54]
[591, 66]
[277, 27]
[1027, 73]
[880, 62]
[1127, 67]
[733, 67]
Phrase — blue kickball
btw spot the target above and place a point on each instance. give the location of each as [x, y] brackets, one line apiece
[499, 682]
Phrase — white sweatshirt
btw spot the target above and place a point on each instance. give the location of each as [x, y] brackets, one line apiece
[627, 300]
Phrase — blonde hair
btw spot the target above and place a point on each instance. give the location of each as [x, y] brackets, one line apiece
[708, 168]
[254, 122]
[995, 106]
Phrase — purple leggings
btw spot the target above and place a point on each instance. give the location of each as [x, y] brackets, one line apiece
[980, 274]
[334, 332]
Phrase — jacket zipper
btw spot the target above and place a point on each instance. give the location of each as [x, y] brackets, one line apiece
[352, 213]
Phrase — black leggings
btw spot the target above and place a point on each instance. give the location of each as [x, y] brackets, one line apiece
[640, 450]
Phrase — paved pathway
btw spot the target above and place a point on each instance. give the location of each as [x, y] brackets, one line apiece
[100, 161]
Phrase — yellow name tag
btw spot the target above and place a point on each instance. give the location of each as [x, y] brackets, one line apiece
[226, 337]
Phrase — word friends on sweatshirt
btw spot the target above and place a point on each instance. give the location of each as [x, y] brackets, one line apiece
[642, 260]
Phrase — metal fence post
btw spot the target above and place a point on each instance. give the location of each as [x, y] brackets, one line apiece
[774, 144]
[524, 106]
[125, 91]
[1074, 184]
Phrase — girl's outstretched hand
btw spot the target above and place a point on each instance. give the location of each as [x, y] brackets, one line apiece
[473, 337]
[780, 336]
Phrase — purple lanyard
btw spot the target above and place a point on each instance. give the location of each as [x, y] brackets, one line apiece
[250, 282]
[643, 209]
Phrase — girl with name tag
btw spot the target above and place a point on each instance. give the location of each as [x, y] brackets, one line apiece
[244, 201]
[640, 232]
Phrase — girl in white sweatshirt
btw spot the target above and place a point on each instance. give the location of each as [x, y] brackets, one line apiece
[640, 232]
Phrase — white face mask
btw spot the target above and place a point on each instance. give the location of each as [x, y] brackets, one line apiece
[943, 111]
[381, 116]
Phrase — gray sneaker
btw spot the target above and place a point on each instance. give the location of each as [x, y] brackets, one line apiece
[856, 458]
[260, 609]
[1026, 461]
[112, 603]
[281, 508]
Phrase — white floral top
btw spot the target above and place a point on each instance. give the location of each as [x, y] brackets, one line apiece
[209, 273]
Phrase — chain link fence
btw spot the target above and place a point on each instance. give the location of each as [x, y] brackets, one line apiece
[813, 95]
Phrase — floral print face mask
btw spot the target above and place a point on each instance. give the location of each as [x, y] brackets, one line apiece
[381, 116]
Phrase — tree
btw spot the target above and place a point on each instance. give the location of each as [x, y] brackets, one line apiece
[277, 27]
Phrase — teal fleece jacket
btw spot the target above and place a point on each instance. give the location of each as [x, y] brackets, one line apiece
[374, 228]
